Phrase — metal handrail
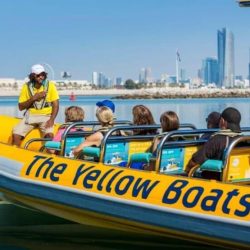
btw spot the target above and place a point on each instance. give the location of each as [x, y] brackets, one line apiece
[26, 145]
[84, 133]
[136, 137]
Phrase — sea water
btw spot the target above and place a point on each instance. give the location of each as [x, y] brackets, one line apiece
[192, 111]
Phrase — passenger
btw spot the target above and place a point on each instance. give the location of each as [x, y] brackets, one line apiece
[214, 148]
[213, 121]
[143, 116]
[169, 121]
[39, 98]
[106, 117]
[72, 114]
[106, 103]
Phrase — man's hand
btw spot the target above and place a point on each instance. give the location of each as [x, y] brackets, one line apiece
[49, 123]
[39, 96]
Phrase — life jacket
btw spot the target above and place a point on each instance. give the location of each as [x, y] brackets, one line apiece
[227, 132]
[42, 103]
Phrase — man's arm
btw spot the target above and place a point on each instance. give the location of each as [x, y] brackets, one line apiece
[55, 108]
[190, 165]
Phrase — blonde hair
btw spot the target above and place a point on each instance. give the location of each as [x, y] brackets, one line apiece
[105, 116]
[169, 121]
[74, 114]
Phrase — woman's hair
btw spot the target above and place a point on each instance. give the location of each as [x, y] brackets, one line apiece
[32, 76]
[169, 121]
[74, 114]
[143, 116]
[105, 116]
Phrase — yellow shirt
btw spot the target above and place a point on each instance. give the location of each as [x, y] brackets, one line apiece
[52, 95]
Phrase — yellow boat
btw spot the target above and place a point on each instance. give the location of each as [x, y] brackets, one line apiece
[157, 202]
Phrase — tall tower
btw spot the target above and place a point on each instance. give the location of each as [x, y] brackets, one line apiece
[95, 78]
[249, 68]
[142, 75]
[210, 70]
[225, 43]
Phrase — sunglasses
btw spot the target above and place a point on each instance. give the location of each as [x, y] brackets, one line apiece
[41, 74]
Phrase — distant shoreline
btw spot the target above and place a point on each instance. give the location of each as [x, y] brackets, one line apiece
[152, 93]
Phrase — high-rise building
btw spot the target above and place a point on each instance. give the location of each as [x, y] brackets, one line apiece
[101, 80]
[145, 75]
[249, 68]
[225, 43]
[142, 77]
[183, 77]
[148, 75]
[118, 81]
[209, 71]
[95, 78]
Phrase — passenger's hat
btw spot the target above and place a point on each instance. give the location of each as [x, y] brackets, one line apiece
[106, 103]
[37, 69]
[232, 117]
[214, 119]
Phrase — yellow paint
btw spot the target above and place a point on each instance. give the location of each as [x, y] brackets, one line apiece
[138, 147]
[189, 151]
[8, 123]
[239, 164]
[128, 184]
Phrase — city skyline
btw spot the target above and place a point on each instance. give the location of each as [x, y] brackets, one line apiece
[118, 37]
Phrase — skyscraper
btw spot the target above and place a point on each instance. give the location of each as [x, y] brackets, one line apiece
[210, 70]
[225, 43]
[145, 75]
[249, 68]
[95, 78]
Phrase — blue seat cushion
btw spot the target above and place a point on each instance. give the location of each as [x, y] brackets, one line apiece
[212, 165]
[91, 151]
[56, 145]
[138, 160]
[141, 157]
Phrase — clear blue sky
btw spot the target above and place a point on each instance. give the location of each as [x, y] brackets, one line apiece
[117, 37]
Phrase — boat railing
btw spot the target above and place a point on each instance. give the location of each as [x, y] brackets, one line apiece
[188, 142]
[81, 132]
[27, 144]
[110, 135]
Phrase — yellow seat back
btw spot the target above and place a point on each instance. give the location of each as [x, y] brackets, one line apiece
[238, 166]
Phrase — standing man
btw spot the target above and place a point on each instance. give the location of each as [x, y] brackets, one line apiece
[40, 99]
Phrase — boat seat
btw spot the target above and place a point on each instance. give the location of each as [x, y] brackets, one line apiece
[90, 154]
[91, 151]
[139, 160]
[54, 145]
[70, 143]
[210, 169]
[212, 165]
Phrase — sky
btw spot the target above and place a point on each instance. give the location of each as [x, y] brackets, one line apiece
[117, 37]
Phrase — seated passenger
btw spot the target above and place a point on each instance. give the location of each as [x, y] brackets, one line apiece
[213, 121]
[106, 117]
[214, 148]
[169, 122]
[106, 103]
[72, 114]
[143, 116]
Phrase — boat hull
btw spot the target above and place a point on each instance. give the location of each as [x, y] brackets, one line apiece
[125, 199]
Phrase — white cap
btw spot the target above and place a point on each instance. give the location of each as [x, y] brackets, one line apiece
[37, 69]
